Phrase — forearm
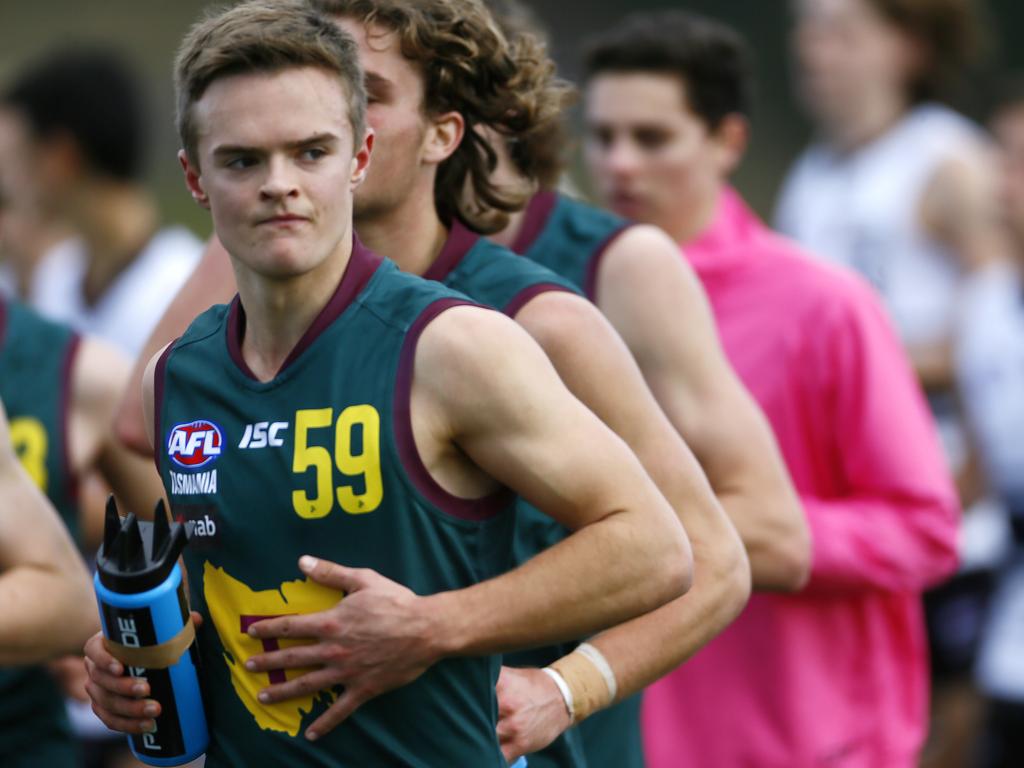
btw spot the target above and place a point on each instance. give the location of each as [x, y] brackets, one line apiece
[47, 613]
[738, 452]
[647, 648]
[134, 479]
[891, 543]
[212, 282]
[568, 591]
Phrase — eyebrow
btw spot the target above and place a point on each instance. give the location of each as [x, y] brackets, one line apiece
[237, 149]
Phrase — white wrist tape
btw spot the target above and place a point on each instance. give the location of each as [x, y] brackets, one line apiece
[602, 665]
[563, 688]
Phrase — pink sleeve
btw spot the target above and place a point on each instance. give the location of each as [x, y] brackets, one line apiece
[892, 522]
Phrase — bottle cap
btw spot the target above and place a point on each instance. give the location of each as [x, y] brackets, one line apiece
[129, 560]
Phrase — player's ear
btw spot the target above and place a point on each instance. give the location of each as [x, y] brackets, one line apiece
[444, 135]
[193, 179]
[731, 139]
[361, 158]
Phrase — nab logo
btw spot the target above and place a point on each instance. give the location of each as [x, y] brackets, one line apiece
[195, 444]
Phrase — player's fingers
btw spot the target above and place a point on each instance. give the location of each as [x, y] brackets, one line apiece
[336, 714]
[313, 655]
[197, 619]
[310, 625]
[121, 706]
[304, 685]
[100, 656]
[133, 687]
[333, 575]
[123, 724]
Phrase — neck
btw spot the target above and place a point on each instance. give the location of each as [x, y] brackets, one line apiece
[868, 124]
[278, 312]
[698, 215]
[411, 234]
[115, 221]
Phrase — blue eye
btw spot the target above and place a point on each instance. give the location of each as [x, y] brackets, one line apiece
[313, 153]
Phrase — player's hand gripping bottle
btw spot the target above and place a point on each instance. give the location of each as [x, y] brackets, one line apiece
[148, 628]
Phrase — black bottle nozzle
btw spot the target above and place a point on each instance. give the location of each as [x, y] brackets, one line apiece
[111, 525]
[161, 530]
[131, 555]
[125, 563]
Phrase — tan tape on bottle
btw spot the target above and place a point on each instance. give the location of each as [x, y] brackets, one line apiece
[159, 656]
[589, 690]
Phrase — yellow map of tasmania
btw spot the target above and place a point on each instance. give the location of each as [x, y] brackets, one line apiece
[233, 607]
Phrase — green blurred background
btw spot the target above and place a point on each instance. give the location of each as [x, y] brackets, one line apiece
[148, 31]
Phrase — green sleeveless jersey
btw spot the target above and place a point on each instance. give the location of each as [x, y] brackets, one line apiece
[35, 376]
[321, 461]
[490, 273]
[35, 366]
[569, 237]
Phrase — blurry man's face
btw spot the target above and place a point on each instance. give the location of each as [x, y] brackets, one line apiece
[1008, 128]
[846, 55]
[651, 157]
[20, 212]
[395, 91]
[277, 167]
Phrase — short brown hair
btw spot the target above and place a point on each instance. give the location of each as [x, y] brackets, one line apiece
[469, 67]
[953, 34]
[263, 36]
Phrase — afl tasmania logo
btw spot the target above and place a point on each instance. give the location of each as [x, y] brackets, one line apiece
[195, 444]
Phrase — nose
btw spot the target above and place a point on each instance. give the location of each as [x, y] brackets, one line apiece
[279, 182]
[621, 157]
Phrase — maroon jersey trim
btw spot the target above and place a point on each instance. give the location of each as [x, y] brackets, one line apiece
[594, 265]
[538, 211]
[465, 509]
[524, 297]
[460, 241]
[159, 377]
[362, 265]
[66, 372]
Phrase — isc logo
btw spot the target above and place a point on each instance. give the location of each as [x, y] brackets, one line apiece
[195, 444]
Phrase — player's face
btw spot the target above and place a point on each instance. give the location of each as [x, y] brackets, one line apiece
[651, 158]
[277, 167]
[20, 212]
[1008, 128]
[395, 112]
[847, 55]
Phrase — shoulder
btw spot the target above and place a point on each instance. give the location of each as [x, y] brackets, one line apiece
[464, 343]
[644, 258]
[398, 299]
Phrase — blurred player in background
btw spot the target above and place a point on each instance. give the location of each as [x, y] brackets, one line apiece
[990, 364]
[838, 673]
[271, 111]
[48, 609]
[901, 188]
[86, 134]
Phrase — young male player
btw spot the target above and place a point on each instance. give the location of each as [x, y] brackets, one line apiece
[838, 673]
[331, 358]
[422, 75]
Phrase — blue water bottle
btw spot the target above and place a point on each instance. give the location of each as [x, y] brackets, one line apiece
[146, 621]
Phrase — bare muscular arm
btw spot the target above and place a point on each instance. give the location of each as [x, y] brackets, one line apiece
[655, 302]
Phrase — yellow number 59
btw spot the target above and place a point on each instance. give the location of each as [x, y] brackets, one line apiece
[365, 463]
